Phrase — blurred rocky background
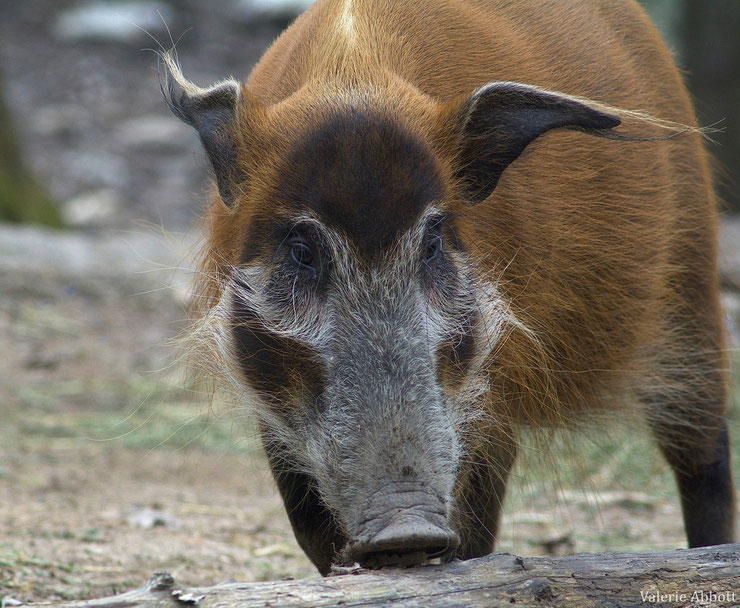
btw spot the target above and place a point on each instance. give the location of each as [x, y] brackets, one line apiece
[83, 93]
[88, 144]
[100, 188]
[82, 97]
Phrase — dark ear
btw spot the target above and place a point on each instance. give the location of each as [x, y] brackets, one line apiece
[502, 118]
[213, 113]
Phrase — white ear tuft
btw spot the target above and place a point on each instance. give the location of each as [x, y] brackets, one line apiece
[175, 87]
[213, 113]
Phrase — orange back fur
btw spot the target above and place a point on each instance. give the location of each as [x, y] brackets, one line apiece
[605, 249]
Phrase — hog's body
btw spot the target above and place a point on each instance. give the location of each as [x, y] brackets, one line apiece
[396, 305]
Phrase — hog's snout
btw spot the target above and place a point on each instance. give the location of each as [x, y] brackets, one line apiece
[403, 526]
[410, 539]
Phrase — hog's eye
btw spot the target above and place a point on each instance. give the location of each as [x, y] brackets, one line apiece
[433, 247]
[302, 255]
[433, 240]
[299, 252]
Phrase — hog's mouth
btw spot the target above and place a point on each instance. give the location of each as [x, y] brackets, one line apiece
[400, 560]
[410, 539]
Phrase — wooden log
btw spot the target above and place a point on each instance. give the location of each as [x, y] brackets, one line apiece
[708, 576]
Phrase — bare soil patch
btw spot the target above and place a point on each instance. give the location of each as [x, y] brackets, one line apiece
[109, 470]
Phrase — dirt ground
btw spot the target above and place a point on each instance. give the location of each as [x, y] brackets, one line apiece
[110, 469]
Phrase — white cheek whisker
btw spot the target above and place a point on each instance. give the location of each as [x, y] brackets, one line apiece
[293, 302]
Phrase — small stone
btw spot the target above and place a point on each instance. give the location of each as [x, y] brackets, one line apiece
[273, 9]
[91, 208]
[186, 598]
[153, 132]
[276, 549]
[146, 517]
[59, 118]
[111, 21]
[98, 169]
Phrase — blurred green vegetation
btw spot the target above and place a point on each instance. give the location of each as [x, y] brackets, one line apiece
[22, 199]
[139, 413]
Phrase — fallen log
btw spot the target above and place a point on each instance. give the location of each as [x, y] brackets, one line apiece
[708, 576]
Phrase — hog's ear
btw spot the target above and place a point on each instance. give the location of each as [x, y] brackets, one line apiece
[213, 113]
[502, 118]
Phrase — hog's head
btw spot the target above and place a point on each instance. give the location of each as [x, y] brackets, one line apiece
[344, 300]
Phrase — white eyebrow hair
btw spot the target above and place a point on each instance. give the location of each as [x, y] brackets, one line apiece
[410, 237]
[341, 245]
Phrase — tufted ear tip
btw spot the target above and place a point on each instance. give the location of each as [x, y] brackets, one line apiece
[212, 112]
[501, 119]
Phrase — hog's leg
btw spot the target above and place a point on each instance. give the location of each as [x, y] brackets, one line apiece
[313, 524]
[480, 497]
[699, 454]
[688, 415]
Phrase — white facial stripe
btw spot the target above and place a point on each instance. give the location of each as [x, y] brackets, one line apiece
[190, 89]
[347, 20]
[311, 321]
[312, 325]
[306, 323]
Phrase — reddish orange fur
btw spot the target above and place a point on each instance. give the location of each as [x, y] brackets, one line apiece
[606, 250]
[601, 246]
